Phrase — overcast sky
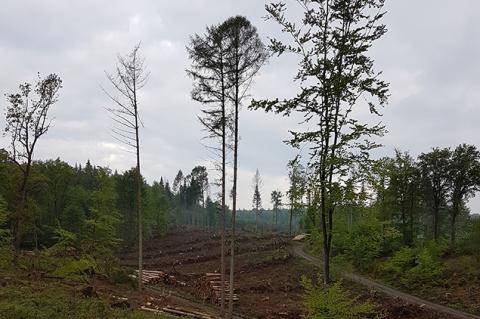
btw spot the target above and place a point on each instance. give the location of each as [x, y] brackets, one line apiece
[429, 55]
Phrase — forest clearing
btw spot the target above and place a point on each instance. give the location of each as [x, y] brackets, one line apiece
[314, 159]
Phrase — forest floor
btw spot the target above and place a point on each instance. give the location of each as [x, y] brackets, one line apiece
[267, 274]
[34, 295]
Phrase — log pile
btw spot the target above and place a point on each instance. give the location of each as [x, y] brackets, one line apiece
[158, 277]
[211, 288]
[177, 311]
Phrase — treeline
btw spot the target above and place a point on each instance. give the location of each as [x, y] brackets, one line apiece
[423, 199]
[405, 215]
[95, 206]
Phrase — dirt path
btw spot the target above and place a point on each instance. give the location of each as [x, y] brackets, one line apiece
[298, 250]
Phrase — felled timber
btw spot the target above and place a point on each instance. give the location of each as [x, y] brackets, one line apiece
[157, 277]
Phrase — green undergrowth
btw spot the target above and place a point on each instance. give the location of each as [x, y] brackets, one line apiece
[335, 301]
[45, 301]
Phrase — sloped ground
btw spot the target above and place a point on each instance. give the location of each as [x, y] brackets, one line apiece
[267, 274]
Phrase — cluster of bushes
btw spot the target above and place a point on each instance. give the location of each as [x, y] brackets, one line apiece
[365, 242]
[414, 267]
[324, 302]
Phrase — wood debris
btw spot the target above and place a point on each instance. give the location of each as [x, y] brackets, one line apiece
[177, 311]
[300, 237]
[210, 288]
[158, 277]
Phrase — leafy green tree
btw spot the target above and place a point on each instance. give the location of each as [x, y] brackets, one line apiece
[472, 241]
[26, 121]
[335, 71]
[296, 190]
[464, 173]
[405, 192]
[156, 208]
[369, 239]
[101, 223]
[435, 174]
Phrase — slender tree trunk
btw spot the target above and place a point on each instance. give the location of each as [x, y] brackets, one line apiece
[222, 217]
[276, 216]
[326, 253]
[452, 230]
[404, 227]
[234, 204]
[20, 212]
[273, 220]
[139, 210]
[290, 221]
[222, 225]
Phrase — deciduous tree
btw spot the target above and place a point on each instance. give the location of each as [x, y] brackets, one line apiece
[26, 121]
[464, 174]
[335, 71]
[435, 174]
[129, 77]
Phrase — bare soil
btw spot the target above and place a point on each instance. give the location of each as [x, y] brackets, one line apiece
[267, 273]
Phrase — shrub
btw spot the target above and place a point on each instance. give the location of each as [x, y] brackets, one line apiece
[399, 263]
[333, 302]
[78, 269]
[121, 276]
[427, 269]
[369, 240]
[414, 267]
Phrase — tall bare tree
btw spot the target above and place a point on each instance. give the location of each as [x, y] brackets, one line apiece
[276, 197]
[209, 72]
[246, 54]
[129, 77]
[26, 121]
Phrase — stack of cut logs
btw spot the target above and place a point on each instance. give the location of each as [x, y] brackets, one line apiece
[177, 311]
[157, 277]
[213, 282]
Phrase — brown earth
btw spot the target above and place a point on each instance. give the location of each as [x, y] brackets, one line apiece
[267, 274]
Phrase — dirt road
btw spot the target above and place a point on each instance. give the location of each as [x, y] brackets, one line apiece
[299, 251]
